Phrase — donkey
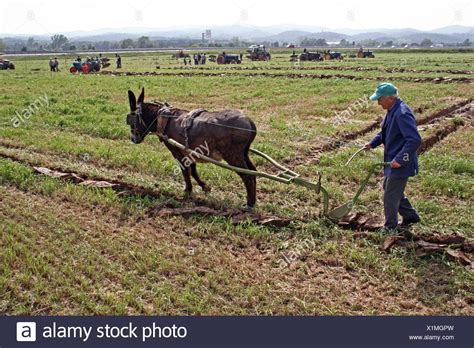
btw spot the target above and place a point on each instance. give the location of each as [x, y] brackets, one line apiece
[225, 135]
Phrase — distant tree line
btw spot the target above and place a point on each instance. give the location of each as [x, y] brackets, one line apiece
[426, 43]
[60, 42]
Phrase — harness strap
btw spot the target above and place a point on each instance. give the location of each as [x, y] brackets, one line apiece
[162, 120]
[188, 121]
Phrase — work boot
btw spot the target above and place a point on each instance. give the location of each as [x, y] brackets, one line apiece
[407, 222]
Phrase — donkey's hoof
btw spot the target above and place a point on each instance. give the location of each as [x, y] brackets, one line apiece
[188, 194]
[246, 207]
[206, 188]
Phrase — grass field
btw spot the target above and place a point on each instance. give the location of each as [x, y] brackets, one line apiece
[71, 249]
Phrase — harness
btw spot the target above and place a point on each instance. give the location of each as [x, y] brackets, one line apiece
[135, 118]
[188, 121]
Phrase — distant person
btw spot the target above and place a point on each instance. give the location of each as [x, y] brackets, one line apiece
[241, 56]
[185, 61]
[195, 59]
[119, 61]
[203, 59]
[56, 65]
[401, 139]
[51, 64]
[199, 57]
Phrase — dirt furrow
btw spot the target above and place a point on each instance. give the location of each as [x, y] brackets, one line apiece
[297, 76]
[315, 67]
[464, 113]
[192, 207]
[456, 108]
[440, 134]
[463, 108]
[74, 177]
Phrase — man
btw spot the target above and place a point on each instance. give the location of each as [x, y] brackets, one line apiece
[401, 139]
[118, 61]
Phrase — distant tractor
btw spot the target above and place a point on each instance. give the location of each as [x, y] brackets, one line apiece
[333, 55]
[258, 52]
[90, 65]
[225, 58]
[311, 56]
[6, 64]
[365, 54]
[180, 54]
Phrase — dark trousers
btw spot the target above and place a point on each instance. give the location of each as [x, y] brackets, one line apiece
[394, 201]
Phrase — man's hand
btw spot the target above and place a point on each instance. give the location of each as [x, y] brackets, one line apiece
[394, 164]
[367, 147]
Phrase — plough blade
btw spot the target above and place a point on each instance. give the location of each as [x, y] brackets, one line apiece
[339, 212]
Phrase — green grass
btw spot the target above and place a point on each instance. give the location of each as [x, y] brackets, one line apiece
[69, 249]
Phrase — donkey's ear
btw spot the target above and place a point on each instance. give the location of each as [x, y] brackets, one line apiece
[141, 98]
[132, 99]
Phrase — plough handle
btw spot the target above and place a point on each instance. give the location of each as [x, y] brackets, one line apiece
[364, 183]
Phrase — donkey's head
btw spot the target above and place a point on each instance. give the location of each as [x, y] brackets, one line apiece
[138, 119]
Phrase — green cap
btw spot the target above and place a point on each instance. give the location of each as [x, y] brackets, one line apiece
[384, 90]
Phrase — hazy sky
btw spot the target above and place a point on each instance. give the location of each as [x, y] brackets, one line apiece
[39, 17]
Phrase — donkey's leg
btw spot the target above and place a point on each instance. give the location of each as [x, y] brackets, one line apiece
[249, 180]
[251, 166]
[184, 166]
[187, 179]
[196, 177]
[186, 171]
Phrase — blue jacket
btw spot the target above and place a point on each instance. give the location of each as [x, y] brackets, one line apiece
[401, 139]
